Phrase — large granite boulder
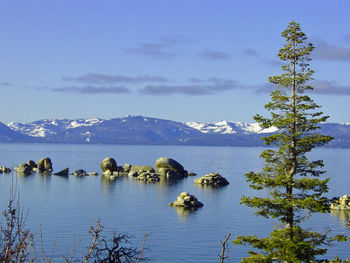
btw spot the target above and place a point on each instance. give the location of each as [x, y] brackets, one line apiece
[170, 168]
[212, 179]
[44, 165]
[24, 168]
[109, 165]
[186, 200]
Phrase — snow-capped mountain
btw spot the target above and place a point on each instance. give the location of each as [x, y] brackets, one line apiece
[229, 127]
[147, 130]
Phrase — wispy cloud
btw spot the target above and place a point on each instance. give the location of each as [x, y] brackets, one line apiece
[330, 88]
[91, 90]
[325, 51]
[96, 78]
[160, 49]
[211, 86]
[213, 55]
[322, 87]
[153, 50]
[5, 84]
[250, 52]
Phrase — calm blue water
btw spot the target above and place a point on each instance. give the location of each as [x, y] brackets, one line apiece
[64, 208]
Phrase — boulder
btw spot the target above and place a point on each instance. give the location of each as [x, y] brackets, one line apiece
[5, 170]
[32, 164]
[80, 172]
[63, 172]
[109, 165]
[212, 179]
[186, 200]
[134, 170]
[93, 174]
[127, 167]
[169, 164]
[24, 168]
[44, 165]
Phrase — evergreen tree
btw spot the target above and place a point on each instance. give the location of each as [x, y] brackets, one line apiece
[292, 181]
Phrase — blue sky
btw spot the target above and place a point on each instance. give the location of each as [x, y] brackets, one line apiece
[190, 60]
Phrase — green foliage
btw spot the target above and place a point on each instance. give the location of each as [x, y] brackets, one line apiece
[292, 181]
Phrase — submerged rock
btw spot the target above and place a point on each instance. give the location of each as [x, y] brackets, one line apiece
[44, 165]
[109, 165]
[5, 170]
[80, 172]
[341, 203]
[63, 172]
[212, 179]
[187, 201]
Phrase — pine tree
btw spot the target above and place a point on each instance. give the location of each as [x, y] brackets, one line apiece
[293, 183]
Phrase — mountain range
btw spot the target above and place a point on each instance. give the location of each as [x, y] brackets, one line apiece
[152, 131]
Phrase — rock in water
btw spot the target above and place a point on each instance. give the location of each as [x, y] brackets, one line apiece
[186, 200]
[5, 170]
[341, 203]
[24, 168]
[80, 172]
[212, 179]
[32, 164]
[44, 165]
[109, 165]
[63, 172]
[169, 168]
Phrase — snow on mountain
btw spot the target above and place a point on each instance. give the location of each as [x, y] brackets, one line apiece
[229, 127]
[50, 127]
[147, 130]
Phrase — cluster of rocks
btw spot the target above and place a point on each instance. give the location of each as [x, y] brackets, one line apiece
[341, 203]
[44, 166]
[212, 179]
[165, 168]
[186, 200]
[110, 169]
[144, 174]
[4, 170]
[148, 177]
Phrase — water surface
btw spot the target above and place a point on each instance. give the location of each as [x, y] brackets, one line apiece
[64, 208]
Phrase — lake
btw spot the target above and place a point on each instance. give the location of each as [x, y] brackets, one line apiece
[64, 208]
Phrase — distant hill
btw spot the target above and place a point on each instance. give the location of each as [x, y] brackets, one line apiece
[152, 131]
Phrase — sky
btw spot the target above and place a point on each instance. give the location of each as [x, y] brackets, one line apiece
[183, 60]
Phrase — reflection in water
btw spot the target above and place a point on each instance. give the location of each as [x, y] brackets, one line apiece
[184, 212]
[165, 183]
[44, 178]
[24, 175]
[343, 215]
